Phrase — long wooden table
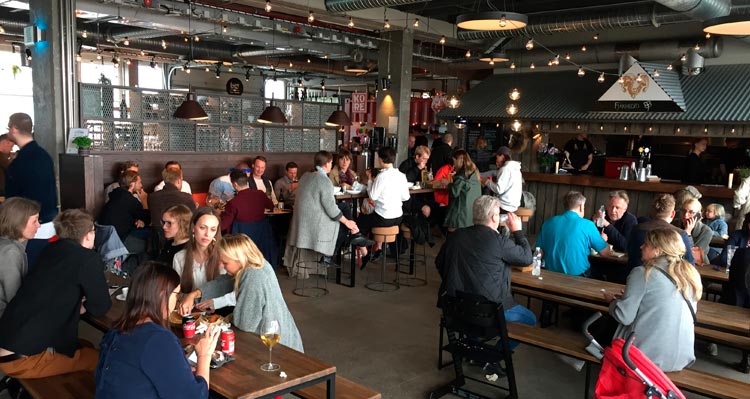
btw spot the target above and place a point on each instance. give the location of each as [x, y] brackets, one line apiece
[587, 293]
[708, 272]
[243, 377]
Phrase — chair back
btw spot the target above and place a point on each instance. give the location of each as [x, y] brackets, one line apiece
[473, 316]
[385, 234]
[200, 198]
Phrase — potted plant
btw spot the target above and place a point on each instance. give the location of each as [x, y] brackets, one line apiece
[84, 145]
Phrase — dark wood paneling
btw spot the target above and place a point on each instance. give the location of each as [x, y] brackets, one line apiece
[80, 182]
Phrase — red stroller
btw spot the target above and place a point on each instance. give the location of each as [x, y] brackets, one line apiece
[627, 373]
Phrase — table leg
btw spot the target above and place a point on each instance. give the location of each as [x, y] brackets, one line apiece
[412, 255]
[331, 386]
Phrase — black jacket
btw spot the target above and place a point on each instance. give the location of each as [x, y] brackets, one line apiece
[619, 231]
[169, 196]
[477, 260]
[440, 155]
[122, 211]
[45, 311]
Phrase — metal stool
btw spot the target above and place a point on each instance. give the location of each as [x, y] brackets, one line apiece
[413, 280]
[317, 290]
[385, 236]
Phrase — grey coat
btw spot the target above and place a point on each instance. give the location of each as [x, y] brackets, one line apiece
[315, 223]
[658, 314]
[258, 298]
[13, 268]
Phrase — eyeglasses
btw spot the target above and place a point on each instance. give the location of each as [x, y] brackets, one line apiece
[689, 211]
[166, 222]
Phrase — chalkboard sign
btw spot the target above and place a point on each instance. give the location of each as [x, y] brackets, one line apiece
[490, 133]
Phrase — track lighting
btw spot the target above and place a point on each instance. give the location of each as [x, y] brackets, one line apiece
[386, 24]
[351, 23]
[442, 39]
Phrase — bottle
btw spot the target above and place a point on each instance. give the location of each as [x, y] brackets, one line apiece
[537, 262]
[600, 219]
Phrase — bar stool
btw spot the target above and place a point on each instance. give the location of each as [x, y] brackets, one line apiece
[525, 214]
[304, 267]
[385, 236]
[413, 280]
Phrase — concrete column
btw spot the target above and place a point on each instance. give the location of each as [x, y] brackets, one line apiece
[54, 73]
[395, 58]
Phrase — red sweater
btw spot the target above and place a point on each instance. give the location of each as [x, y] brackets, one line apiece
[247, 206]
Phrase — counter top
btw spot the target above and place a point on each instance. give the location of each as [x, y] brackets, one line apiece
[604, 182]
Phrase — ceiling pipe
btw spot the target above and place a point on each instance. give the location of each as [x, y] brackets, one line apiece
[201, 51]
[699, 9]
[354, 5]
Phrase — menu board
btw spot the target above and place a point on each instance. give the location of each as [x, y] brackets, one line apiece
[490, 132]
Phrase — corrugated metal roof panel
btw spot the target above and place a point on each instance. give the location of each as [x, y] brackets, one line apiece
[720, 94]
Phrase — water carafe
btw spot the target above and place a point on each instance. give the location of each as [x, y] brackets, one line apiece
[624, 172]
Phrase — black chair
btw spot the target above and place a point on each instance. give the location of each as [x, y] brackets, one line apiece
[471, 323]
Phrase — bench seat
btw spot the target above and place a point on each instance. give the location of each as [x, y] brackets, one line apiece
[345, 389]
[78, 385]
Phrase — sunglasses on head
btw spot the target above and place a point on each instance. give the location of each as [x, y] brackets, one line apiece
[246, 170]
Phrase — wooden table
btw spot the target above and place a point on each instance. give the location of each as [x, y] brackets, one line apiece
[277, 212]
[587, 293]
[243, 377]
[708, 272]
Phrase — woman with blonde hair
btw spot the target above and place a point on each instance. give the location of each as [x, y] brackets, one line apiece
[198, 263]
[254, 291]
[659, 302]
[465, 187]
[175, 222]
[19, 222]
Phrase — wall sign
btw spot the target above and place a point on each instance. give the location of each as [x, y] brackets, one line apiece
[359, 103]
[235, 87]
[638, 92]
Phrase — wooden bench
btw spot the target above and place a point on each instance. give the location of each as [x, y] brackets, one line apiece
[571, 344]
[78, 385]
[345, 389]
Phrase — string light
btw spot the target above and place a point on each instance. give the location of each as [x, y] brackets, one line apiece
[224, 29]
[268, 5]
[697, 47]
[126, 42]
[164, 44]
[85, 34]
[530, 44]
[78, 57]
[416, 22]
[683, 58]
[512, 65]
[98, 55]
[581, 72]
[196, 39]
[290, 64]
[143, 53]
[442, 39]
[309, 60]
[503, 21]
[532, 66]
[583, 48]
[492, 62]
[351, 23]
[511, 109]
[128, 61]
[311, 17]
[514, 94]
[386, 25]
[556, 60]
[600, 79]
[468, 53]
[596, 36]
[656, 73]
[708, 35]
[567, 56]
[669, 67]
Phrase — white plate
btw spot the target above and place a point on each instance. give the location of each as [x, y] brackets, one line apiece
[409, 184]
[353, 191]
[120, 297]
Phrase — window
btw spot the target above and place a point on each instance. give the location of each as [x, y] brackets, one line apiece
[275, 89]
[16, 92]
[93, 72]
[150, 78]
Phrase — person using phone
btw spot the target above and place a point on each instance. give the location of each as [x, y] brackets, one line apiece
[697, 231]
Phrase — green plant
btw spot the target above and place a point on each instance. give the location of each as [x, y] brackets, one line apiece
[16, 70]
[82, 142]
[742, 172]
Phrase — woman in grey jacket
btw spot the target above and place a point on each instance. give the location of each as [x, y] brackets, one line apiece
[254, 292]
[659, 302]
[19, 221]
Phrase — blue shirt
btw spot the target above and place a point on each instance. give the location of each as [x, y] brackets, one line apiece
[147, 362]
[566, 241]
[221, 187]
[718, 226]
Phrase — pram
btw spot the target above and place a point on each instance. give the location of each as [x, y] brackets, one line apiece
[626, 372]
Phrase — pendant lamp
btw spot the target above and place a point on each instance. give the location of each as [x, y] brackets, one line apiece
[190, 108]
[492, 20]
[339, 117]
[736, 25]
[272, 114]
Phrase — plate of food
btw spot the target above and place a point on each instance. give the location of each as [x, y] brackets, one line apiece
[176, 318]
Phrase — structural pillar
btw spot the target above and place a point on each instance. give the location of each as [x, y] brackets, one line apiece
[395, 63]
[54, 74]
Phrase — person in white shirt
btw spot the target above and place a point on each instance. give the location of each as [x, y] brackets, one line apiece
[174, 165]
[509, 184]
[386, 193]
[260, 182]
[221, 188]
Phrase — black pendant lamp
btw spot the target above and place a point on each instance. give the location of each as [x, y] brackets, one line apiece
[339, 117]
[190, 109]
[272, 114]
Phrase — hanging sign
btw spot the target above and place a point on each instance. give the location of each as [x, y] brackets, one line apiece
[359, 103]
[638, 92]
[235, 87]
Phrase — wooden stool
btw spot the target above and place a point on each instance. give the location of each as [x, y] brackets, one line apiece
[413, 280]
[385, 236]
[305, 266]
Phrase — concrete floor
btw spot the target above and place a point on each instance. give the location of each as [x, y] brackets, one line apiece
[388, 342]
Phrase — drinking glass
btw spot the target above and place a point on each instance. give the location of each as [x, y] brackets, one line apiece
[270, 334]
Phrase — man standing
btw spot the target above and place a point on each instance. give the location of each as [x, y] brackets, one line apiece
[287, 185]
[580, 152]
[478, 259]
[174, 165]
[509, 185]
[441, 153]
[260, 182]
[32, 173]
[567, 239]
[618, 222]
[247, 206]
[39, 337]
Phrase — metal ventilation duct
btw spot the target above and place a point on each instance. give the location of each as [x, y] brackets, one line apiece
[693, 65]
[699, 9]
[353, 5]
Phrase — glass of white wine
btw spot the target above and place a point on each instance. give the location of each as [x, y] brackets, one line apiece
[270, 334]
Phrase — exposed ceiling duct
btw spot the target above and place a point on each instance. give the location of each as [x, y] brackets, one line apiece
[201, 51]
[699, 9]
[353, 5]
[693, 65]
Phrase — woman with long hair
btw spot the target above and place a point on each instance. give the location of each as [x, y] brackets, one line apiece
[199, 261]
[341, 174]
[175, 222]
[254, 292]
[659, 302]
[19, 222]
[464, 189]
[140, 357]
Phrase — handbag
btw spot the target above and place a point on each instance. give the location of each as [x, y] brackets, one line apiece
[697, 255]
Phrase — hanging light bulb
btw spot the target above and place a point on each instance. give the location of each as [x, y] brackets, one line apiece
[583, 48]
[669, 67]
[503, 21]
[596, 36]
[78, 57]
[512, 65]
[516, 125]
[126, 42]
[208, 69]
[454, 102]
[196, 38]
[98, 55]
[530, 44]
[223, 29]
[309, 60]
[581, 72]
[115, 61]
[164, 44]
[511, 109]
[128, 61]
[492, 62]
[620, 80]
[600, 79]
[442, 39]
[532, 66]
[85, 34]
[683, 58]
[708, 35]
[697, 47]
[556, 60]
[386, 24]
[152, 64]
[656, 73]
[143, 53]
[351, 22]
[549, 63]
[268, 5]
[311, 17]
[290, 64]
[567, 56]
[185, 39]
[323, 85]
[299, 82]
[514, 94]
[229, 69]
[416, 22]
[468, 53]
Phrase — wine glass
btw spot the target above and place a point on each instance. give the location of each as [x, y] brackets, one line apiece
[270, 334]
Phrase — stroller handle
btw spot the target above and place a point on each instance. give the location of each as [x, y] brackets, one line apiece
[596, 316]
[625, 348]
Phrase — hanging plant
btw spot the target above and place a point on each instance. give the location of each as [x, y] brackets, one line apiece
[16, 70]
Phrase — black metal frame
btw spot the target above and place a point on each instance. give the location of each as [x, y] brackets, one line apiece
[470, 321]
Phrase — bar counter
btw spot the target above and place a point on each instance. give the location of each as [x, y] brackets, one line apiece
[549, 190]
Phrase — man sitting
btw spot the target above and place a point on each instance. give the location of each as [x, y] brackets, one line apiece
[287, 185]
[39, 334]
[618, 222]
[689, 220]
[170, 195]
[174, 165]
[260, 182]
[478, 259]
[247, 206]
[124, 211]
[126, 166]
[567, 239]
[221, 187]
[662, 214]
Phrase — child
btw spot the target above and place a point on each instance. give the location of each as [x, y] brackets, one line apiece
[715, 220]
